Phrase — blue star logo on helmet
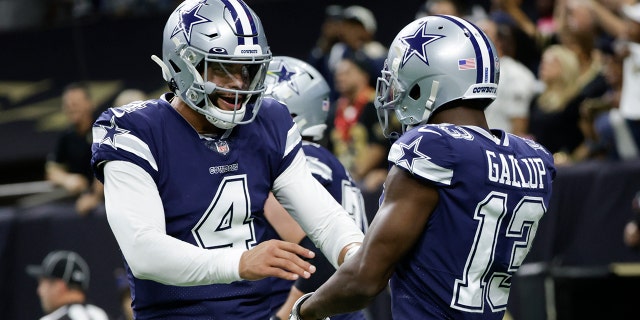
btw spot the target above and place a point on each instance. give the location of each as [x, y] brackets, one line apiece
[417, 44]
[189, 17]
[283, 75]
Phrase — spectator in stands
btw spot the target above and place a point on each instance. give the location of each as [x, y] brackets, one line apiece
[358, 38]
[510, 110]
[69, 164]
[619, 130]
[551, 122]
[63, 283]
[357, 30]
[330, 34]
[356, 137]
[431, 7]
[594, 112]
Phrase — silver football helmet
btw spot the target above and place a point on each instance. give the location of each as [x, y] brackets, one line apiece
[433, 61]
[216, 39]
[303, 90]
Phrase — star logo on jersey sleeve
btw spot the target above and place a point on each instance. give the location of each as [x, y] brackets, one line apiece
[111, 132]
[409, 154]
[188, 18]
[417, 44]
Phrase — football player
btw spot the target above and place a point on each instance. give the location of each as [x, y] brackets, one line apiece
[462, 202]
[305, 92]
[186, 176]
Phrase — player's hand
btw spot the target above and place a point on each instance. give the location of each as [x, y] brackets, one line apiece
[275, 258]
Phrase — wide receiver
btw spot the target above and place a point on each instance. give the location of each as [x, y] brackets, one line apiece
[461, 203]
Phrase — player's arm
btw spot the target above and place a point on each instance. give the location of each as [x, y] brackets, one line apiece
[322, 218]
[396, 227]
[287, 228]
[136, 216]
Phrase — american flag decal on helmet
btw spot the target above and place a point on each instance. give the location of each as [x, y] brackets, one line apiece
[467, 64]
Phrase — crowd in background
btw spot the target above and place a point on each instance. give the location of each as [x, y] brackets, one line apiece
[570, 73]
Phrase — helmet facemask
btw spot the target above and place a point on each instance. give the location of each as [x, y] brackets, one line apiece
[388, 93]
[242, 83]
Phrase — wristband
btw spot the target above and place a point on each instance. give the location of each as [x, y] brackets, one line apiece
[295, 311]
[350, 253]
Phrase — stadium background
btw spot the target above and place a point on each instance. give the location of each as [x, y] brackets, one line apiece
[574, 264]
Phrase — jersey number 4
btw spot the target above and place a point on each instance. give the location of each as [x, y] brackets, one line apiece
[479, 283]
[227, 221]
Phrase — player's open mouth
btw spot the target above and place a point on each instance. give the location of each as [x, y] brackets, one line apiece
[230, 101]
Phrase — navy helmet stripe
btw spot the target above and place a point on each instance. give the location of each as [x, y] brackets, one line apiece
[478, 48]
[242, 17]
[492, 58]
[247, 12]
[492, 65]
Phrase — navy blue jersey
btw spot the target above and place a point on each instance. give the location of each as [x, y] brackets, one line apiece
[213, 191]
[333, 176]
[493, 191]
[328, 170]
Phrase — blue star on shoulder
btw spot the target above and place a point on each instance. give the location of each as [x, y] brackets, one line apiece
[189, 17]
[417, 44]
[410, 154]
[111, 132]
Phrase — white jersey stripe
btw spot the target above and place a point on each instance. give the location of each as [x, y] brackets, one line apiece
[127, 142]
[293, 138]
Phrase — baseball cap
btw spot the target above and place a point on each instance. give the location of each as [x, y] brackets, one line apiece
[632, 12]
[66, 265]
[363, 15]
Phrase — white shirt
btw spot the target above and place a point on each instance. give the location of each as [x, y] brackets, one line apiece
[515, 90]
[630, 96]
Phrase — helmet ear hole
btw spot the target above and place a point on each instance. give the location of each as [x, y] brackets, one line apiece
[415, 92]
[175, 67]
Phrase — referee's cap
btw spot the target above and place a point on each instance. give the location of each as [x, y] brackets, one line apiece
[66, 265]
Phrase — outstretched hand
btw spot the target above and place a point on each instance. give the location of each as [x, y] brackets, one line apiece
[275, 258]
